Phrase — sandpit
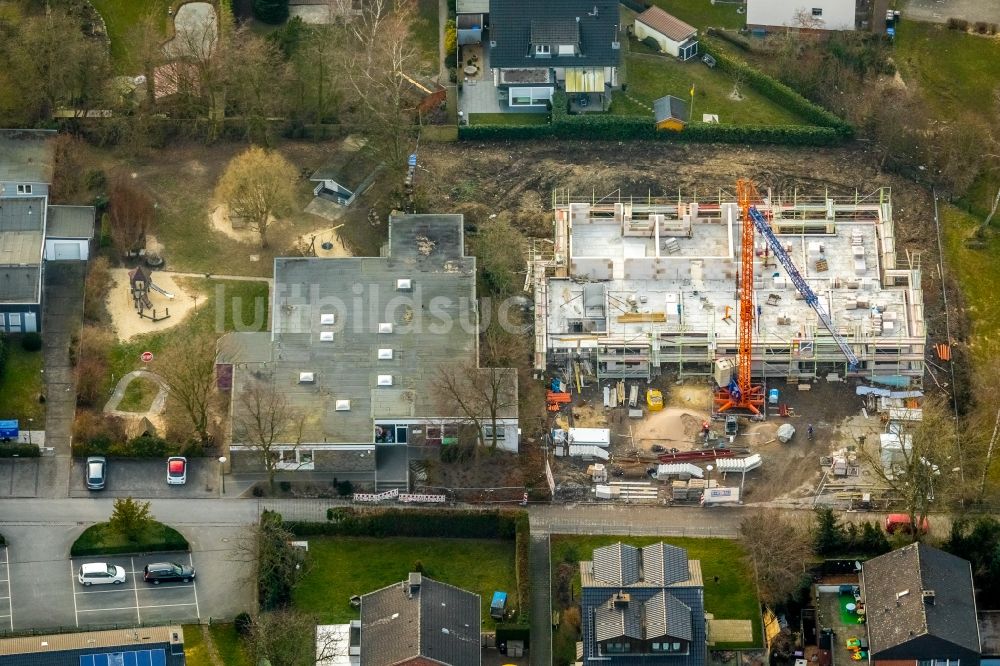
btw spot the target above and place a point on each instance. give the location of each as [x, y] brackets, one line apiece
[126, 320]
[221, 223]
[326, 235]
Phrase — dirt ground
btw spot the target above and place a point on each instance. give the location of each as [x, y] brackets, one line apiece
[124, 316]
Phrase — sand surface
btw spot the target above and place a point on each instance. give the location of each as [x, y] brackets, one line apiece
[124, 316]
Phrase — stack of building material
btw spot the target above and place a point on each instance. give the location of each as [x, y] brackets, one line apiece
[679, 490]
[598, 473]
[680, 470]
[590, 437]
[671, 246]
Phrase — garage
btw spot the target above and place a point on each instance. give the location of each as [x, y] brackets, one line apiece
[66, 251]
[68, 233]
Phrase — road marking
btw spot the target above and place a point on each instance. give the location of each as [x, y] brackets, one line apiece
[135, 588]
[102, 610]
[10, 601]
[194, 586]
[72, 580]
[116, 588]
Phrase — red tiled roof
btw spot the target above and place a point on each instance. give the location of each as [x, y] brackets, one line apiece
[669, 26]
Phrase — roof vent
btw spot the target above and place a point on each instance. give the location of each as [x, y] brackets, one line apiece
[616, 46]
[385, 380]
[307, 377]
[328, 319]
[343, 406]
[413, 582]
[326, 336]
[900, 595]
[929, 597]
[620, 600]
[385, 354]
[385, 327]
[404, 284]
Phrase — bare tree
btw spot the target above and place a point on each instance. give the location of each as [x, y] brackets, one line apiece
[919, 471]
[130, 213]
[257, 185]
[255, 73]
[189, 375]
[264, 421]
[289, 637]
[480, 396]
[379, 59]
[778, 552]
[145, 53]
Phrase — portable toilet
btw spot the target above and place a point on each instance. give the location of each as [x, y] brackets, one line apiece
[498, 606]
[772, 397]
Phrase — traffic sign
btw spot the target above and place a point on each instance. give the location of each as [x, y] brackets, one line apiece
[146, 356]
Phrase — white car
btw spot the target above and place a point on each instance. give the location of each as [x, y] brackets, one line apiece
[101, 573]
[177, 471]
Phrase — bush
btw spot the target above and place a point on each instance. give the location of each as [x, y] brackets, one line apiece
[95, 180]
[271, 11]
[95, 287]
[31, 342]
[731, 38]
[3, 352]
[99, 539]
[345, 488]
[140, 447]
[242, 624]
[19, 451]
[514, 632]
[958, 24]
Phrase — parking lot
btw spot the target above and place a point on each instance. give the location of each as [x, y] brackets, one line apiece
[147, 478]
[133, 601]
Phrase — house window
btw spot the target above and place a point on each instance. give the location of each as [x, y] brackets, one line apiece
[543, 49]
[293, 459]
[488, 433]
[530, 96]
[24, 189]
[817, 12]
[567, 49]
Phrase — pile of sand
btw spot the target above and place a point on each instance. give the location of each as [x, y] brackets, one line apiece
[125, 318]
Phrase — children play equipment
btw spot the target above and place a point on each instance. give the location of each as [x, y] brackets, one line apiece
[140, 283]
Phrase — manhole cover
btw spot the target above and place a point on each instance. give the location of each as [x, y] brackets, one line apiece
[327, 245]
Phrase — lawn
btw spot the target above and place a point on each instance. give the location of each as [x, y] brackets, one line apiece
[978, 275]
[652, 77]
[121, 15]
[99, 539]
[957, 74]
[703, 14]
[227, 644]
[508, 118]
[343, 566]
[21, 384]
[425, 34]
[733, 597]
[246, 302]
[139, 395]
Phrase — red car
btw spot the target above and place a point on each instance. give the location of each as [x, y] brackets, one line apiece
[177, 468]
[900, 522]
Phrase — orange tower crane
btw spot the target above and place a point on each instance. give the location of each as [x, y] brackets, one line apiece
[741, 395]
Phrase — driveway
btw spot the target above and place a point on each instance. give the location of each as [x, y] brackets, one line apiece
[939, 11]
[148, 479]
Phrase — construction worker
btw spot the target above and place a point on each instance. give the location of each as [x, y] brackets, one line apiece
[809, 430]
[705, 428]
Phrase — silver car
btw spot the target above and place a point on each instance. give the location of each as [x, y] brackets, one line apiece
[96, 472]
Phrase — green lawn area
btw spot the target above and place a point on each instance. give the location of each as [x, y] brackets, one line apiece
[139, 395]
[733, 597]
[21, 384]
[652, 77]
[508, 118]
[244, 301]
[978, 274]
[703, 14]
[99, 539]
[343, 566]
[227, 643]
[425, 34]
[121, 15]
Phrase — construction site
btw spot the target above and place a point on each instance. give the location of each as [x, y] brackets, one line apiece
[746, 347]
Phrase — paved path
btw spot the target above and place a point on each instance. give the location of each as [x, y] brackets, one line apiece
[214, 276]
[540, 561]
[156, 408]
[60, 321]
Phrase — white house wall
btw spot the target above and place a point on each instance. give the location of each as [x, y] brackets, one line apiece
[642, 31]
[837, 14]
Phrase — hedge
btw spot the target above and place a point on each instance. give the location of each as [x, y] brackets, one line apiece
[98, 540]
[444, 523]
[140, 447]
[19, 451]
[514, 632]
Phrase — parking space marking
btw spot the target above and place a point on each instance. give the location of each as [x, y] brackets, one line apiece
[117, 588]
[72, 575]
[135, 588]
[6, 573]
[194, 586]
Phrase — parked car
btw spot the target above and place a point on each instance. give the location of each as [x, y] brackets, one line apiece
[96, 472]
[177, 470]
[657, 448]
[164, 572]
[101, 573]
[900, 522]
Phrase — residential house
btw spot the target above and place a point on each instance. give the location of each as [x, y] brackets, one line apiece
[537, 47]
[671, 34]
[920, 608]
[31, 231]
[470, 20]
[671, 113]
[345, 177]
[642, 606]
[354, 349]
[420, 622]
[152, 646]
[820, 15]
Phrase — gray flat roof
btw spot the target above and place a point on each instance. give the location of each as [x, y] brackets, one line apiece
[472, 6]
[26, 155]
[70, 222]
[21, 248]
[21, 214]
[332, 317]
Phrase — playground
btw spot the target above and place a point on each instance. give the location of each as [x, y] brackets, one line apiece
[128, 296]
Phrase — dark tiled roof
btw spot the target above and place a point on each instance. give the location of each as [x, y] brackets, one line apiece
[894, 586]
[667, 616]
[617, 564]
[669, 107]
[438, 622]
[618, 622]
[512, 23]
[667, 25]
[663, 564]
[555, 31]
[662, 615]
